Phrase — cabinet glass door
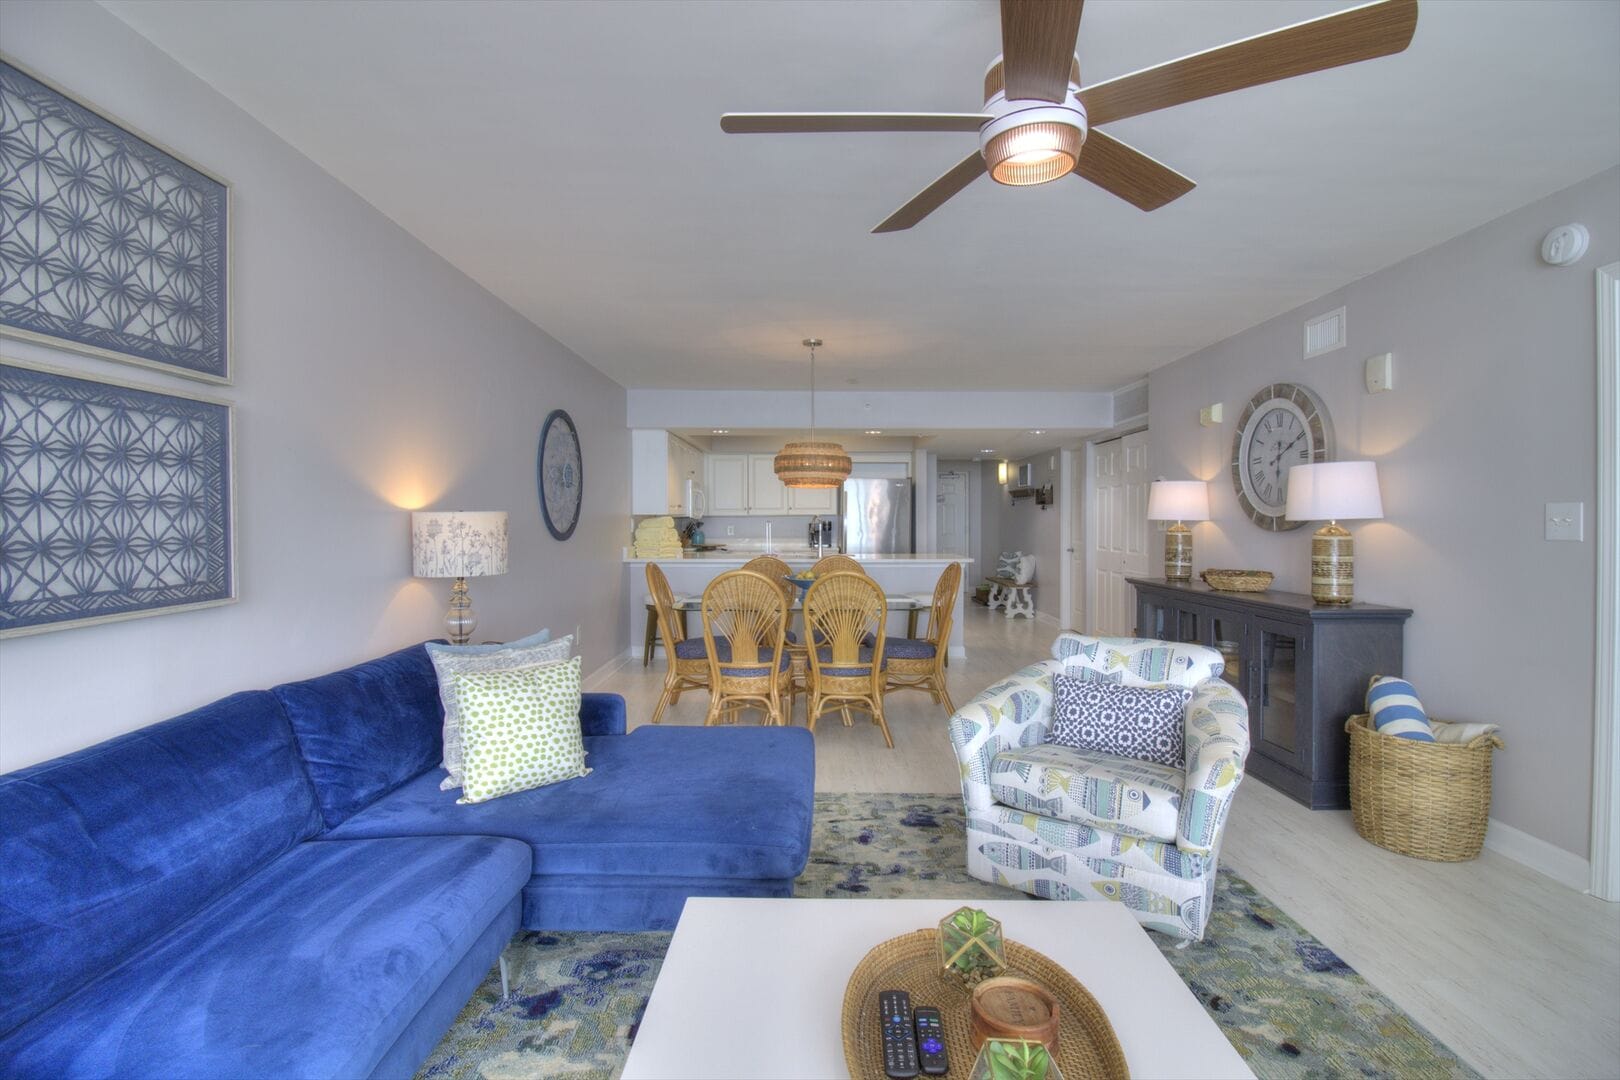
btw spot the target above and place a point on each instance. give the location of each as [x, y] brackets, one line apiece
[1276, 706]
[1187, 626]
[1228, 635]
[1153, 620]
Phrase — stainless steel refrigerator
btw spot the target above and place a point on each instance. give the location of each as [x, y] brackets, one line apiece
[876, 517]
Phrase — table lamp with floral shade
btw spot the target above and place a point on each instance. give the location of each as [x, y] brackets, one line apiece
[458, 544]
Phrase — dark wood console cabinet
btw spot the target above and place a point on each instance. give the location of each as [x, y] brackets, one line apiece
[1303, 668]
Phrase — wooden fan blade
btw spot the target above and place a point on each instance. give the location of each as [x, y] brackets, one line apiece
[1037, 47]
[1345, 37]
[764, 123]
[933, 196]
[1127, 172]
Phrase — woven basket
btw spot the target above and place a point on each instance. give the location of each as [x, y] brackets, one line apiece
[1238, 580]
[1427, 800]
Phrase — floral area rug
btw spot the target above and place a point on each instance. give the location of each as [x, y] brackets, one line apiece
[1290, 1006]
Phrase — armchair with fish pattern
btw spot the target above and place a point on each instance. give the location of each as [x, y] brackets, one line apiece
[1067, 824]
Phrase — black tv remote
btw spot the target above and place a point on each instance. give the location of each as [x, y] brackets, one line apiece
[930, 1042]
[899, 1035]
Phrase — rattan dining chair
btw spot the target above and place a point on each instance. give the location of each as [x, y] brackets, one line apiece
[744, 627]
[836, 564]
[844, 614]
[798, 662]
[773, 568]
[688, 666]
[919, 663]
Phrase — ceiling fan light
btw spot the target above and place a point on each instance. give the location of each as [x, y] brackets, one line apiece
[1033, 153]
[812, 465]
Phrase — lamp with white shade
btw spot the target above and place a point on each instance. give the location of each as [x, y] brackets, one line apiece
[1178, 501]
[1333, 491]
[458, 544]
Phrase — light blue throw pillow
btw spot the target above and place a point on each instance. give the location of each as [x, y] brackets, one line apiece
[436, 649]
[1396, 710]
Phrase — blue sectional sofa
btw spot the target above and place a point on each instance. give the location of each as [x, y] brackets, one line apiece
[274, 885]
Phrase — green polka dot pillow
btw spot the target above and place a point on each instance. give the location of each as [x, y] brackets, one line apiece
[519, 729]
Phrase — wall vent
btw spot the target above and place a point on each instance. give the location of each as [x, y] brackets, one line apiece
[1324, 333]
[1131, 401]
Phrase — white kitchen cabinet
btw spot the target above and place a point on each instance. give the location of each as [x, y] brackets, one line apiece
[813, 500]
[660, 466]
[766, 494]
[728, 484]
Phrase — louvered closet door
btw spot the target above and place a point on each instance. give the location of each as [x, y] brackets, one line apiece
[1121, 490]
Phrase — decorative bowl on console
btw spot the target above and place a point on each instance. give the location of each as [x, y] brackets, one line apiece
[1238, 580]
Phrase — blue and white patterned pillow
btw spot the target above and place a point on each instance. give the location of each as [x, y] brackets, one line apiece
[1396, 710]
[1007, 566]
[1145, 723]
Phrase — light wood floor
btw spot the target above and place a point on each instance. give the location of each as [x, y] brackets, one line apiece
[1519, 975]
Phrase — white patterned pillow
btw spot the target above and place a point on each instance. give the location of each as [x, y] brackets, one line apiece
[1025, 572]
[521, 729]
[448, 663]
[1145, 723]
[1007, 565]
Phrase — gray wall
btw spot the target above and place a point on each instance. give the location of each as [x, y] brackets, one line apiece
[371, 377]
[1492, 416]
[992, 509]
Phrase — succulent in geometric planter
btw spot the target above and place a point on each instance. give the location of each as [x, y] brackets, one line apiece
[1014, 1059]
[970, 946]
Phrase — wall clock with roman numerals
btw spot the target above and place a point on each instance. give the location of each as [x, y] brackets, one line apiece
[1282, 426]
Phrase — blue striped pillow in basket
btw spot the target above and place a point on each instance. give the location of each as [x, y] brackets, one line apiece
[1395, 709]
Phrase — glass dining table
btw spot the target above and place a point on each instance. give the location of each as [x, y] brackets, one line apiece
[911, 605]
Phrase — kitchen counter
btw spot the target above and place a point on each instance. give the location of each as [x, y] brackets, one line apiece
[897, 575]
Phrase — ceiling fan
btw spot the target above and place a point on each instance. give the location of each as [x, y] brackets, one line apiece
[1039, 123]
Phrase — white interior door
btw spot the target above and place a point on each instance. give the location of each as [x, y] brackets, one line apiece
[1077, 544]
[1120, 487]
[951, 500]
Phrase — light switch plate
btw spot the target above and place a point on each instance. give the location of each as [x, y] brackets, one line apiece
[1565, 521]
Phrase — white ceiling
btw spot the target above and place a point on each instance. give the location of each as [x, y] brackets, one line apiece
[568, 156]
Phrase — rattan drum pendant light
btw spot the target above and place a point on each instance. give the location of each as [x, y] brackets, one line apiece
[809, 463]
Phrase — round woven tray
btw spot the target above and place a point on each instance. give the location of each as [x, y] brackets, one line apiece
[1088, 1049]
[1238, 580]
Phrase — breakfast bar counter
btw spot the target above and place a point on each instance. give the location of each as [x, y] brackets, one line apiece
[897, 575]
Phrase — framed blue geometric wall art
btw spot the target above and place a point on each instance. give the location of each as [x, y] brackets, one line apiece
[116, 501]
[110, 244]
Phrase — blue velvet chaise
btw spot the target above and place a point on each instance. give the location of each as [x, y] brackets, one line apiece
[274, 885]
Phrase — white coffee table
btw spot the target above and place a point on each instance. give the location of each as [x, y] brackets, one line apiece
[755, 988]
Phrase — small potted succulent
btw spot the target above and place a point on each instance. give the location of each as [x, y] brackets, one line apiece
[1014, 1059]
[970, 946]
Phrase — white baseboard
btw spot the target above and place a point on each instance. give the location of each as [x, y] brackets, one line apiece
[1049, 620]
[1562, 866]
[599, 678]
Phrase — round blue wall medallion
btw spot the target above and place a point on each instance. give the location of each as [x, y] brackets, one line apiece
[561, 474]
